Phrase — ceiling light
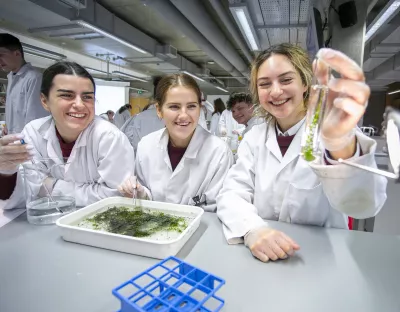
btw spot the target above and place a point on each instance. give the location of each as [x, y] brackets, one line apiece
[211, 62]
[192, 75]
[128, 75]
[36, 51]
[242, 18]
[387, 12]
[138, 89]
[222, 89]
[107, 34]
[41, 56]
[96, 70]
[393, 92]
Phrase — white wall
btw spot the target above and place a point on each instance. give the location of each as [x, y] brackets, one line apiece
[110, 97]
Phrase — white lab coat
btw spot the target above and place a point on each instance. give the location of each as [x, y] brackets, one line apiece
[251, 123]
[200, 172]
[141, 125]
[100, 161]
[214, 125]
[264, 185]
[120, 119]
[229, 123]
[206, 108]
[23, 98]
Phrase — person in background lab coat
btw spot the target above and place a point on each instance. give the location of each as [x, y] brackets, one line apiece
[229, 126]
[242, 111]
[271, 181]
[109, 116]
[122, 115]
[183, 163]
[90, 149]
[23, 89]
[219, 108]
[206, 108]
[144, 123]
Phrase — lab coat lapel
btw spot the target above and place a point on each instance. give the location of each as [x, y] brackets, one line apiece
[163, 146]
[48, 130]
[272, 142]
[294, 148]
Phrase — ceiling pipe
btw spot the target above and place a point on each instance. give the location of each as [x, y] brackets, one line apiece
[172, 15]
[224, 16]
[196, 13]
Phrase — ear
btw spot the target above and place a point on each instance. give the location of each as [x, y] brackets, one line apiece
[44, 101]
[305, 88]
[159, 112]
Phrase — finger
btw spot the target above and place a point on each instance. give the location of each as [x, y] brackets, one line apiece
[285, 246]
[341, 63]
[357, 90]
[12, 158]
[295, 246]
[260, 255]
[350, 107]
[15, 149]
[10, 139]
[321, 71]
[281, 254]
[269, 251]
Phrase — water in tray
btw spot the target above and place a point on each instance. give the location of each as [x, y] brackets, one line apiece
[44, 211]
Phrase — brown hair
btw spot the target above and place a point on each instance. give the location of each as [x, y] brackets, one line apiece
[299, 59]
[238, 97]
[172, 81]
[219, 106]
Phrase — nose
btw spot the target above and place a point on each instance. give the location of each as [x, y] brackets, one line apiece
[78, 101]
[276, 90]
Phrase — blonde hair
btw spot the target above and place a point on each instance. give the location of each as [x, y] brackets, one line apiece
[299, 59]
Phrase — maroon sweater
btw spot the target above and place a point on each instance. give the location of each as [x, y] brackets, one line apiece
[175, 155]
[7, 183]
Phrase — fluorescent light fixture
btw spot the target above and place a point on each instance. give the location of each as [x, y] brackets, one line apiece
[393, 92]
[222, 89]
[138, 89]
[387, 12]
[242, 18]
[41, 56]
[96, 70]
[36, 51]
[107, 34]
[116, 72]
[193, 75]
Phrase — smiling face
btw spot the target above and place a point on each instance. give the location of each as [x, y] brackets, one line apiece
[281, 90]
[71, 103]
[242, 112]
[180, 112]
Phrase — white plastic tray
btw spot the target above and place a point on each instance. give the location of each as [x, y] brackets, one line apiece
[148, 247]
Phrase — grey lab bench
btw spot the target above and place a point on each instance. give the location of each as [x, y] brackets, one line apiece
[335, 270]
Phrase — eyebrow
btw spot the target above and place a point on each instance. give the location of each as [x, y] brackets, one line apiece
[70, 91]
[181, 103]
[288, 72]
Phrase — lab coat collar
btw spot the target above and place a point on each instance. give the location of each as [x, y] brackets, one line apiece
[293, 130]
[195, 143]
[26, 67]
[293, 150]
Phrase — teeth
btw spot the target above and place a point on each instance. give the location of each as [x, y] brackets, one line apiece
[279, 103]
[77, 115]
[182, 123]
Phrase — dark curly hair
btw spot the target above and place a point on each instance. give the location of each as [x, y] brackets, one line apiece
[238, 97]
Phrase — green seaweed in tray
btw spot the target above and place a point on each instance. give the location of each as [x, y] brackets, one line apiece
[136, 222]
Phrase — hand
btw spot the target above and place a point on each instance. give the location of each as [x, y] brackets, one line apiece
[346, 102]
[13, 154]
[127, 187]
[269, 244]
[5, 130]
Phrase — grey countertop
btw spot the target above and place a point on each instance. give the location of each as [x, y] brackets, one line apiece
[335, 270]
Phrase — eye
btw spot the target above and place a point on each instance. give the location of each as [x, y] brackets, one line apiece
[264, 84]
[286, 80]
[66, 95]
[174, 107]
[192, 106]
[88, 97]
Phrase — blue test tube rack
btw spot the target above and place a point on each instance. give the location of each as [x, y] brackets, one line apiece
[171, 285]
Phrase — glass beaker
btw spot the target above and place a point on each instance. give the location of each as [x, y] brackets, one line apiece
[44, 202]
